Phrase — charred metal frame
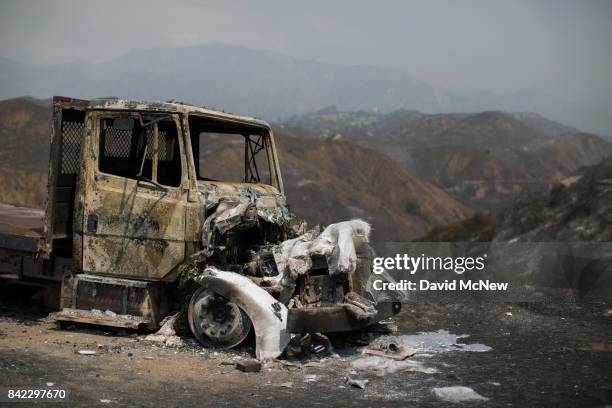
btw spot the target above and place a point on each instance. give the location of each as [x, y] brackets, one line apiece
[252, 145]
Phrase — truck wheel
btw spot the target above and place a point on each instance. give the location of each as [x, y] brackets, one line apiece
[216, 320]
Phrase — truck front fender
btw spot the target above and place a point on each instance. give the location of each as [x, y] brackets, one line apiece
[269, 316]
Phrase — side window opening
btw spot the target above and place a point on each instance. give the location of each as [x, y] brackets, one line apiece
[124, 143]
[168, 155]
[229, 152]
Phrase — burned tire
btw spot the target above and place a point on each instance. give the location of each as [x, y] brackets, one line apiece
[215, 320]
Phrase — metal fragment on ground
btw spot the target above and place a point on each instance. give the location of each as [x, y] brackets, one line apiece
[390, 347]
[353, 382]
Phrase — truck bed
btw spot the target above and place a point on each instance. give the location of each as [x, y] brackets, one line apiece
[20, 227]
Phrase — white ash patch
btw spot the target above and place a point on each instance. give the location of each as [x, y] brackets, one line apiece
[457, 394]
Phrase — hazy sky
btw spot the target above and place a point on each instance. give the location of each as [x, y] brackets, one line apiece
[560, 47]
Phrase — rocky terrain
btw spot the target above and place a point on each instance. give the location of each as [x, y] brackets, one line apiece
[580, 210]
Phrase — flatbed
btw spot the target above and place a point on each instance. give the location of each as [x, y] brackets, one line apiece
[21, 228]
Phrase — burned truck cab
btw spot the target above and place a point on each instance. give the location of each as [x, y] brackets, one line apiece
[164, 203]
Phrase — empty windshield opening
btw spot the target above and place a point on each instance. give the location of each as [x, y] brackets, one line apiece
[229, 152]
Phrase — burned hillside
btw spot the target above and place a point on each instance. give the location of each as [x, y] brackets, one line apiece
[486, 159]
[579, 210]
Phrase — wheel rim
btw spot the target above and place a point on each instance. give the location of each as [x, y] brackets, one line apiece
[215, 319]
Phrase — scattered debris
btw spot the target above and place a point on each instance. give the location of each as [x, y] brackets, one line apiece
[249, 366]
[175, 341]
[289, 364]
[382, 366]
[357, 383]
[87, 352]
[310, 378]
[439, 342]
[50, 384]
[457, 394]
[105, 401]
[326, 344]
[397, 355]
[167, 333]
[298, 346]
[287, 384]
[390, 347]
[386, 327]
[508, 313]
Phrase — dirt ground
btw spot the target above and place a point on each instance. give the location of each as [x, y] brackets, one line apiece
[541, 355]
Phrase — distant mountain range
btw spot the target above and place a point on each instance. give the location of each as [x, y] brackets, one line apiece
[272, 85]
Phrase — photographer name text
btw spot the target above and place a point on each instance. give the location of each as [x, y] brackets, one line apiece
[452, 285]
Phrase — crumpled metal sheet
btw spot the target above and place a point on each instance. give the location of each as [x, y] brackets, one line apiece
[336, 243]
[268, 315]
[244, 212]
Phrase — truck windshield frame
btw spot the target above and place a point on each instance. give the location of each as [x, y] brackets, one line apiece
[241, 153]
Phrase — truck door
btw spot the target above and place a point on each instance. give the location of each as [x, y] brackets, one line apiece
[67, 135]
[135, 196]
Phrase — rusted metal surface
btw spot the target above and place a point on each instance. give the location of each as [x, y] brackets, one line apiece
[109, 301]
[116, 104]
[99, 318]
[336, 318]
[61, 179]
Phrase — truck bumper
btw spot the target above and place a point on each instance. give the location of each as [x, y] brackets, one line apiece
[337, 318]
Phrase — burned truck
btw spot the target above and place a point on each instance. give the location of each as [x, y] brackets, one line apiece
[155, 208]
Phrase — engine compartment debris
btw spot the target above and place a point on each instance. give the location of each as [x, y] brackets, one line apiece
[294, 286]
